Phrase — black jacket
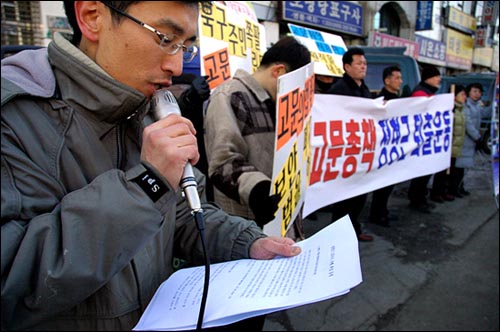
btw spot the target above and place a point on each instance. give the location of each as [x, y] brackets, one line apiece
[387, 95]
[347, 87]
[427, 89]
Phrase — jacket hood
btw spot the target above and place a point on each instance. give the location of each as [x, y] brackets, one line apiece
[81, 83]
[31, 71]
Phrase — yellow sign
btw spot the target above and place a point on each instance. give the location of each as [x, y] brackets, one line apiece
[459, 49]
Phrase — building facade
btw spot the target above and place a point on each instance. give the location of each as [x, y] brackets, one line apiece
[21, 23]
[456, 36]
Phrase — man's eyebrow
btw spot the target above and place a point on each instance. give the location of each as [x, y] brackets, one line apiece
[167, 22]
[175, 27]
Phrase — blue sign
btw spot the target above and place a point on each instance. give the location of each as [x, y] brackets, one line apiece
[431, 51]
[340, 16]
[424, 15]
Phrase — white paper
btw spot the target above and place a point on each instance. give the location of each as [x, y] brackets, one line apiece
[328, 266]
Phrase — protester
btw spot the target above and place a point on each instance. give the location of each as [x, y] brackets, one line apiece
[322, 83]
[352, 84]
[444, 183]
[440, 191]
[192, 92]
[92, 213]
[474, 110]
[379, 211]
[240, 135]
[417, 192]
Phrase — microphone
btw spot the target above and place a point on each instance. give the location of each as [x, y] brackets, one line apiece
[163, 104]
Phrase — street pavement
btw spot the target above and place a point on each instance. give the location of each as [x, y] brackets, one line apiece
[435, 271]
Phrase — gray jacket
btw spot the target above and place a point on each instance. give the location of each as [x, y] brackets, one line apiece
[474, 112]
[83, 247]
[239, 140]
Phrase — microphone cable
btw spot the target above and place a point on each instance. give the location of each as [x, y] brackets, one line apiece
[200, 224]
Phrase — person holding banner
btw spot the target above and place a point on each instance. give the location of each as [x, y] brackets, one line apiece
[352, 84]
[322, 83]
[445, 186]
[93, 215]
[417, 192]
[240, 133]
[474, 110]
[379, 212]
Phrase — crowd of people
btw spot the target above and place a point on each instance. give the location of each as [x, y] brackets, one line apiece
[447, 184]
[92, 211]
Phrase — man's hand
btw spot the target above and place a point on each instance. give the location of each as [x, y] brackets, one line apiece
[168, 145]
[271, 246]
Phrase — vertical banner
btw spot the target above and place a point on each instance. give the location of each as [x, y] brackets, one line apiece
[494, 141]
[230, 38]
[292, 156]
[424, 15]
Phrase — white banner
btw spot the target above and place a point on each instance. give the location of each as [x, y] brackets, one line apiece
[359, 144]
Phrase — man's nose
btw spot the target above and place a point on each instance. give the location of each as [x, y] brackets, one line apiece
[173, 63]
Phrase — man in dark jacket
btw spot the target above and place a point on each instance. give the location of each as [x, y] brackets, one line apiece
[352, 84]
[379, 212]
[417, 192]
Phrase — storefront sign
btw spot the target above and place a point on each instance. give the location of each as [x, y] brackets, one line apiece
[424, 15]
[490, 12]
[459, 49]
[460, 21]
[342, 16]
[431, 51]
[378, 39]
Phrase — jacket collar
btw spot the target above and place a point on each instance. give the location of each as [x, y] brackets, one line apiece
[428, 88]
[88, 89]
[251, 83]
[352, 84]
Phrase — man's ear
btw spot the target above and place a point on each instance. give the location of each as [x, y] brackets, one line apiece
[89, 18]
[278, 70]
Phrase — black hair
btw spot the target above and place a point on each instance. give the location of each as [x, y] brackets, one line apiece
[458, 88]
[69, 8]
[347, 57]
[289, 52]
[474, 85]
[389, 70]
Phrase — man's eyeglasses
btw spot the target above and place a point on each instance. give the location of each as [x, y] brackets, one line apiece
[168, 42]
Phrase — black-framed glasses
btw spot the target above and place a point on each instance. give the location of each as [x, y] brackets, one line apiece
[169, 43]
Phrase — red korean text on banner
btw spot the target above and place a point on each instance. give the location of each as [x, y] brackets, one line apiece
[346, 145]
[290, 116]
